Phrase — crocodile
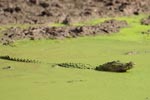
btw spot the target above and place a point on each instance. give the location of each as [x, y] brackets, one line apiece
[114, 66]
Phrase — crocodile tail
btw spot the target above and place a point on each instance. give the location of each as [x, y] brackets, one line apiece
[19, 59]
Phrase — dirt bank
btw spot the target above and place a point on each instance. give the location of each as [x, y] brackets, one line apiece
[145, 21]
[66, 11]
[107, 27]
